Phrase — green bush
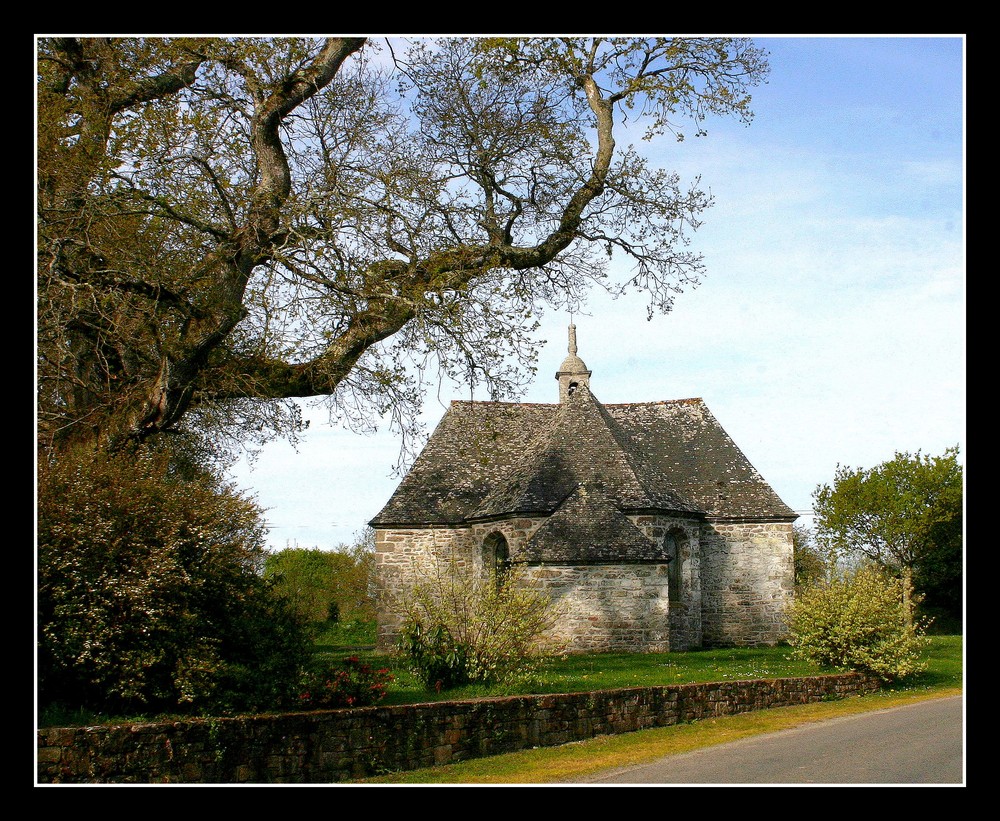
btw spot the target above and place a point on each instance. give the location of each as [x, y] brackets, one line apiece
[150, 595]
[327, 585]
[857, 621]
[351, 683]
[464, 628]
[437, 660]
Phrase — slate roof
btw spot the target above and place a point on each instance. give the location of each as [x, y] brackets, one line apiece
[490, 460]
[588, 529]
[581, 443]
[685, 440]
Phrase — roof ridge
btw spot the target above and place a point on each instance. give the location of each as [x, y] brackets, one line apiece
[517, 481]
[656, 402]
[641, 468]
[550, 460]
[473, 402]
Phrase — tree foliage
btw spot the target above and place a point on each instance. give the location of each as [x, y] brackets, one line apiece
[857, 620]
[904, 514]
[811, 565]
[938, 576]
[327, 584]
[226, 225]
[150, 596]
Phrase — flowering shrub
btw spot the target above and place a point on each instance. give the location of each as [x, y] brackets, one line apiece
[150, 597]
[857, 621]
[353, 683]
[463, 628]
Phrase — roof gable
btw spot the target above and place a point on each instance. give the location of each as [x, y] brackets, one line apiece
[685, 440]
[469, 453]
[588, 529]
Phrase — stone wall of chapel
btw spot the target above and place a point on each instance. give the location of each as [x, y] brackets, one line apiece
[602, 608]
[400, 557]
[516, 531]
[685, 612]
[747, 577]
[606, 607]
[736, 580]
[404, 555]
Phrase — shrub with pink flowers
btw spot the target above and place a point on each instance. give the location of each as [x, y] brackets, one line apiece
[350, 683]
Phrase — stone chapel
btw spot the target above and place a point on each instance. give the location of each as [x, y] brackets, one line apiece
[645, 522]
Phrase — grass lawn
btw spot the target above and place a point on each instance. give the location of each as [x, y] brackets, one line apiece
[605, 671]
[581, 673]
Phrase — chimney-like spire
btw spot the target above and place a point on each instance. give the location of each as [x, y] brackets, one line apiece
[573, 373]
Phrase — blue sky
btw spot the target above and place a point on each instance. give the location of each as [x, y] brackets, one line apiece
[830, 326]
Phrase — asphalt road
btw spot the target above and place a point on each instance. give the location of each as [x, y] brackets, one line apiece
[920, 743]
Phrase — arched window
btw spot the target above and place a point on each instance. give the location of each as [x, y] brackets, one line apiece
[496, 556]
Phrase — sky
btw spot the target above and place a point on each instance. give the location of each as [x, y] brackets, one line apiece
[829, 327]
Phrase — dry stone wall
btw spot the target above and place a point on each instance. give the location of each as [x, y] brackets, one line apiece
[340, 745]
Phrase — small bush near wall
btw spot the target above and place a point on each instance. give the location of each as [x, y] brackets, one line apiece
[349, 683]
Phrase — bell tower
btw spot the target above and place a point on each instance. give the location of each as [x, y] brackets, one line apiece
[573, 373]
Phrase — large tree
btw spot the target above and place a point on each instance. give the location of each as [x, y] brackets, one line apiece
[228, 224]
[811, 565]
[904, 514]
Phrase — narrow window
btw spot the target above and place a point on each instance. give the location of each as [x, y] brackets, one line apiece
[496, 557]
[673, 552]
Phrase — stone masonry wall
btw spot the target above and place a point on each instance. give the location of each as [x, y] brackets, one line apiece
[747, 581]
[735, 581]
[607, 608]
[685, 609]
[602, 608]
[404, 555]
[339, 745]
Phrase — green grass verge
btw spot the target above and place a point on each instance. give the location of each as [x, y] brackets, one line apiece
[573, 674]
